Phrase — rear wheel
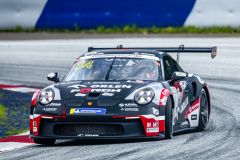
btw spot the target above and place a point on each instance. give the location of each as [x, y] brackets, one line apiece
[169, 119]
[44, 141]
[203, 112]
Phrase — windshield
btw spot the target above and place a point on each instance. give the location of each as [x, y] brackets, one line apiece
[122, 69]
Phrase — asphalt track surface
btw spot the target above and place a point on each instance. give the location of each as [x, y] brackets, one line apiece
[29, 62]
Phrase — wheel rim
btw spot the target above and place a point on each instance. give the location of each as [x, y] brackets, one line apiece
[204, 110]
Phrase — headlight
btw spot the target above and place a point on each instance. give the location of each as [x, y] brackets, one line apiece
[144, 96]
[46, 96]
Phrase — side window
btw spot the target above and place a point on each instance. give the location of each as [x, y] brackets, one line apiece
[176, 67]
[170, 66]
[167, 67]
[180, 69]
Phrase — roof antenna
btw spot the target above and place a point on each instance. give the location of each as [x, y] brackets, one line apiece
[119, 46]
[178, 54]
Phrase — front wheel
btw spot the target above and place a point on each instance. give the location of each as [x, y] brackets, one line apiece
[203, 112]
[169, 119]
[44, 141]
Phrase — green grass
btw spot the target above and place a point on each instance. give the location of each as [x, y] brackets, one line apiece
[3, 111]
[14, 114]
[131, 29]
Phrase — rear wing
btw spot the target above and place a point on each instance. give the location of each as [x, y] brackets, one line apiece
[181, 48]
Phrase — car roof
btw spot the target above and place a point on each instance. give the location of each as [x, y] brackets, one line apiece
[158, 54]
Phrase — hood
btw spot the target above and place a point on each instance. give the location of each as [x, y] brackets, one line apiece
[99, 89]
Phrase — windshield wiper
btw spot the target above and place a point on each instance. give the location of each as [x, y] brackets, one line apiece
[107, 76]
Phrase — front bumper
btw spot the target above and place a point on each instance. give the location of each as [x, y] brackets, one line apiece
[116, 128]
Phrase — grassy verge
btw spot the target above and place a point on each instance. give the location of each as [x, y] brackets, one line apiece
[131, 29]
[3, 111]
[14, 113]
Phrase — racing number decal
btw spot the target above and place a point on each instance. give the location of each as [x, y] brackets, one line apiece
[83, 65]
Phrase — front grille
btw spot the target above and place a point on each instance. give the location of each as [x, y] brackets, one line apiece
[75, 129]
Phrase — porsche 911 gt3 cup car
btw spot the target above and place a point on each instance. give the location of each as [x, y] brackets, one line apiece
[121, 93]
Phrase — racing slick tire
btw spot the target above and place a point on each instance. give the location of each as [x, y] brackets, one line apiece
[44, 141]
[169, 119]
[203, 112]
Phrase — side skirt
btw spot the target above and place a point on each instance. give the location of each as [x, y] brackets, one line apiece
[185, 130]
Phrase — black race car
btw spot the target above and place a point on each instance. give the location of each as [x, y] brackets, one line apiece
[121, 93]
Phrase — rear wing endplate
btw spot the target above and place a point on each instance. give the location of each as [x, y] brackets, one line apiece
[178, 50]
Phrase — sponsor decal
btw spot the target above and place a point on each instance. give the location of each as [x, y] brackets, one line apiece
[89, 53]
[105, 82]
[155, 124]
[184, 105]
[137, 81]
[183, 85]
[107, 94]
[106, 90]
[85, 90]
[193, 107]
[87, 110]
[129, 109]
[95, 90]
[51, 75]
[34, 129]
[77, 86]
[200, 79]
[157, 87]
[128, 105]
[121, 105]
[149, 124]
[89, 103]
[88, 135]
[180, 74]
[110, 88]
[155, 111]
[136, 53]
[163, 101]
[149, 56]
[174, 90]
[81, 65]
[80, 95]
[54, 104]
[194, 117]
[49, 109]
[72, 82]
[34, 123]
[153, 129]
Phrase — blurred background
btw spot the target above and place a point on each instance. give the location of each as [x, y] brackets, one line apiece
[72, 14]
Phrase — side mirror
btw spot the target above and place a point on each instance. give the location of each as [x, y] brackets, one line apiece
[54, 77]
[178, 76]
